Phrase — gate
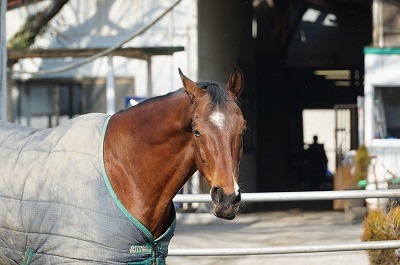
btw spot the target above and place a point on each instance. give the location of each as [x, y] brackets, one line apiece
[291, 196]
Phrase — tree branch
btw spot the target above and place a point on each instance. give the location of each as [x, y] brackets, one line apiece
[34, 26]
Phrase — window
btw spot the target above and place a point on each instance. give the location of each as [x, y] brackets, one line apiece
[387, 112]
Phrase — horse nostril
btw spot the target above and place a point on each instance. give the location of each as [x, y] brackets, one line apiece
[216, 195]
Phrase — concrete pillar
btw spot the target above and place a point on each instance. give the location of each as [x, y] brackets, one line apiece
[110, 89]
[3, 67]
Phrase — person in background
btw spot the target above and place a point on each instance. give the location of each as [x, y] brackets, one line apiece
[316, 164]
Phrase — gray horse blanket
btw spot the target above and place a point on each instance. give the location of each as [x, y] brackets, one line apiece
[57, 205]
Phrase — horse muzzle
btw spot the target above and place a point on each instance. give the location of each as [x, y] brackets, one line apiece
[225, 206]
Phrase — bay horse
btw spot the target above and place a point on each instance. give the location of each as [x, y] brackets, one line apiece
[72, 202]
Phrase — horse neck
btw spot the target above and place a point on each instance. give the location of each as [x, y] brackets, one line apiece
[149, 157]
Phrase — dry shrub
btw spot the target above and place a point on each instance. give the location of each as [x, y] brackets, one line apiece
[380, 226]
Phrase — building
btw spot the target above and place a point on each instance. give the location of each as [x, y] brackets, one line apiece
[382, 99]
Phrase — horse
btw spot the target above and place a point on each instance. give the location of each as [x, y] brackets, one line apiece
[99, 188]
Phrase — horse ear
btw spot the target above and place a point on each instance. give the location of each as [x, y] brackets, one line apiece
[236, 82]
[191, 88]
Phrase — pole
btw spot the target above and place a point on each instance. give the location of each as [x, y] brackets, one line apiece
[3, 58]
[110, 89]
[149, 77]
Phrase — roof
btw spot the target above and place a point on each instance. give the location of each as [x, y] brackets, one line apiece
[143, 53]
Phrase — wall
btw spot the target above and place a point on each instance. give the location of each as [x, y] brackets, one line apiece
[225, 41]
[386, 23]
[322, 123]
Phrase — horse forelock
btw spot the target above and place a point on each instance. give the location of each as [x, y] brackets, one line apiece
[217, 92]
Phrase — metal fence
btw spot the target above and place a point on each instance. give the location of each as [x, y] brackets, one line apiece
[291, 196]
[297, 196]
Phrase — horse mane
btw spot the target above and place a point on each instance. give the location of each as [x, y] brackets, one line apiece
[217, 92]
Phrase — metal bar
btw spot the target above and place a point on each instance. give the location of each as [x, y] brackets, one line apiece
[57, 103]
[3, 62]
[297, 196]
[149, 78]
[392, 244]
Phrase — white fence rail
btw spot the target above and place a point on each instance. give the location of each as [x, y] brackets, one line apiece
[297, 196]
[392, 244]
[291, 196]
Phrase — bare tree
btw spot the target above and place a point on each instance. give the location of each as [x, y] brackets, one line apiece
[34, 25]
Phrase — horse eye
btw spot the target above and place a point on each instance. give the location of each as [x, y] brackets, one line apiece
[196, 133]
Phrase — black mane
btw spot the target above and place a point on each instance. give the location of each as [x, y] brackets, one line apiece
[219, 96]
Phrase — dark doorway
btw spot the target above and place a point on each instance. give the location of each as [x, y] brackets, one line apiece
[309, 55]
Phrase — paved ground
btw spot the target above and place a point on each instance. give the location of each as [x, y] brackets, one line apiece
[268, 229]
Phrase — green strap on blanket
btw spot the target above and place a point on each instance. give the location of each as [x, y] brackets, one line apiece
[26, 259]
[155, 246]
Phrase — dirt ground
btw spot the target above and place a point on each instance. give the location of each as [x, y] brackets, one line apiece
[285, 228]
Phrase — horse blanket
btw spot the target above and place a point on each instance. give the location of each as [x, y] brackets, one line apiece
[56, 202]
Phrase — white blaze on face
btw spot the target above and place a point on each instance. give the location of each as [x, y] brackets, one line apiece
[218, 119]
[236, 187]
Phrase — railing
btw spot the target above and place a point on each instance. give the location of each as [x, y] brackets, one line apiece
[297, 196]
[291, 196]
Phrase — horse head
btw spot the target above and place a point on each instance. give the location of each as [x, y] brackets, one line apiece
[217, 138]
